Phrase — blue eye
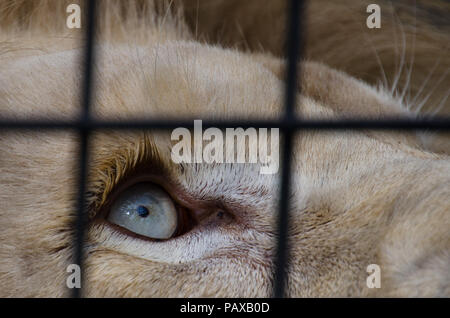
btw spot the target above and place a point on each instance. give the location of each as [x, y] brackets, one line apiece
[145, 209]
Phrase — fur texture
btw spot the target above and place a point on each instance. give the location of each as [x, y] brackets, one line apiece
[358, 198]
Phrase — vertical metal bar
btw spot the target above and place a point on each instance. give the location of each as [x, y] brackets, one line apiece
[294, 47]
[86, 97]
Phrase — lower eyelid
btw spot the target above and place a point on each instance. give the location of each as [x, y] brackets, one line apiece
[195, 245]
[186, 225]
[123, 231]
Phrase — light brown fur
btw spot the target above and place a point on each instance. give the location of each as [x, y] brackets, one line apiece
[358, 197]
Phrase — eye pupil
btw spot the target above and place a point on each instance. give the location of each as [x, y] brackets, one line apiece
[142, 211]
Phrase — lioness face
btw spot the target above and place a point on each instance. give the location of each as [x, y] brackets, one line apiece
[358, 197]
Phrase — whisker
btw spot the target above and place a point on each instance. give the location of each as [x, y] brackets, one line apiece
[425, 100]
[425, 82]
[385, 83]
[402, 57]
[163, 21]
[395, 39]
[441, 105]
[406, 86]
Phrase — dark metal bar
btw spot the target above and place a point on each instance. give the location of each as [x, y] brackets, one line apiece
[435, 124]
[294, 42]
[84, 130]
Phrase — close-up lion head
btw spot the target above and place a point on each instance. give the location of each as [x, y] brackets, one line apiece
[162, 228]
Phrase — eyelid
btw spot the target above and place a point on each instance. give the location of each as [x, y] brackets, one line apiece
[197, 210]
[150, 167]
[186, 219]
[131, 181]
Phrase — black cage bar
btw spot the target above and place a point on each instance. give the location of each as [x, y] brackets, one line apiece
[288, 125]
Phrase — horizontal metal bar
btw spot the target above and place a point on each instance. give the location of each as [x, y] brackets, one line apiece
[441, 124]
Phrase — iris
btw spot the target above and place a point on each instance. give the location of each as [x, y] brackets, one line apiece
[145, 209]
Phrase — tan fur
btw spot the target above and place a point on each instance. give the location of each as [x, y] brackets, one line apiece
[359, 198]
